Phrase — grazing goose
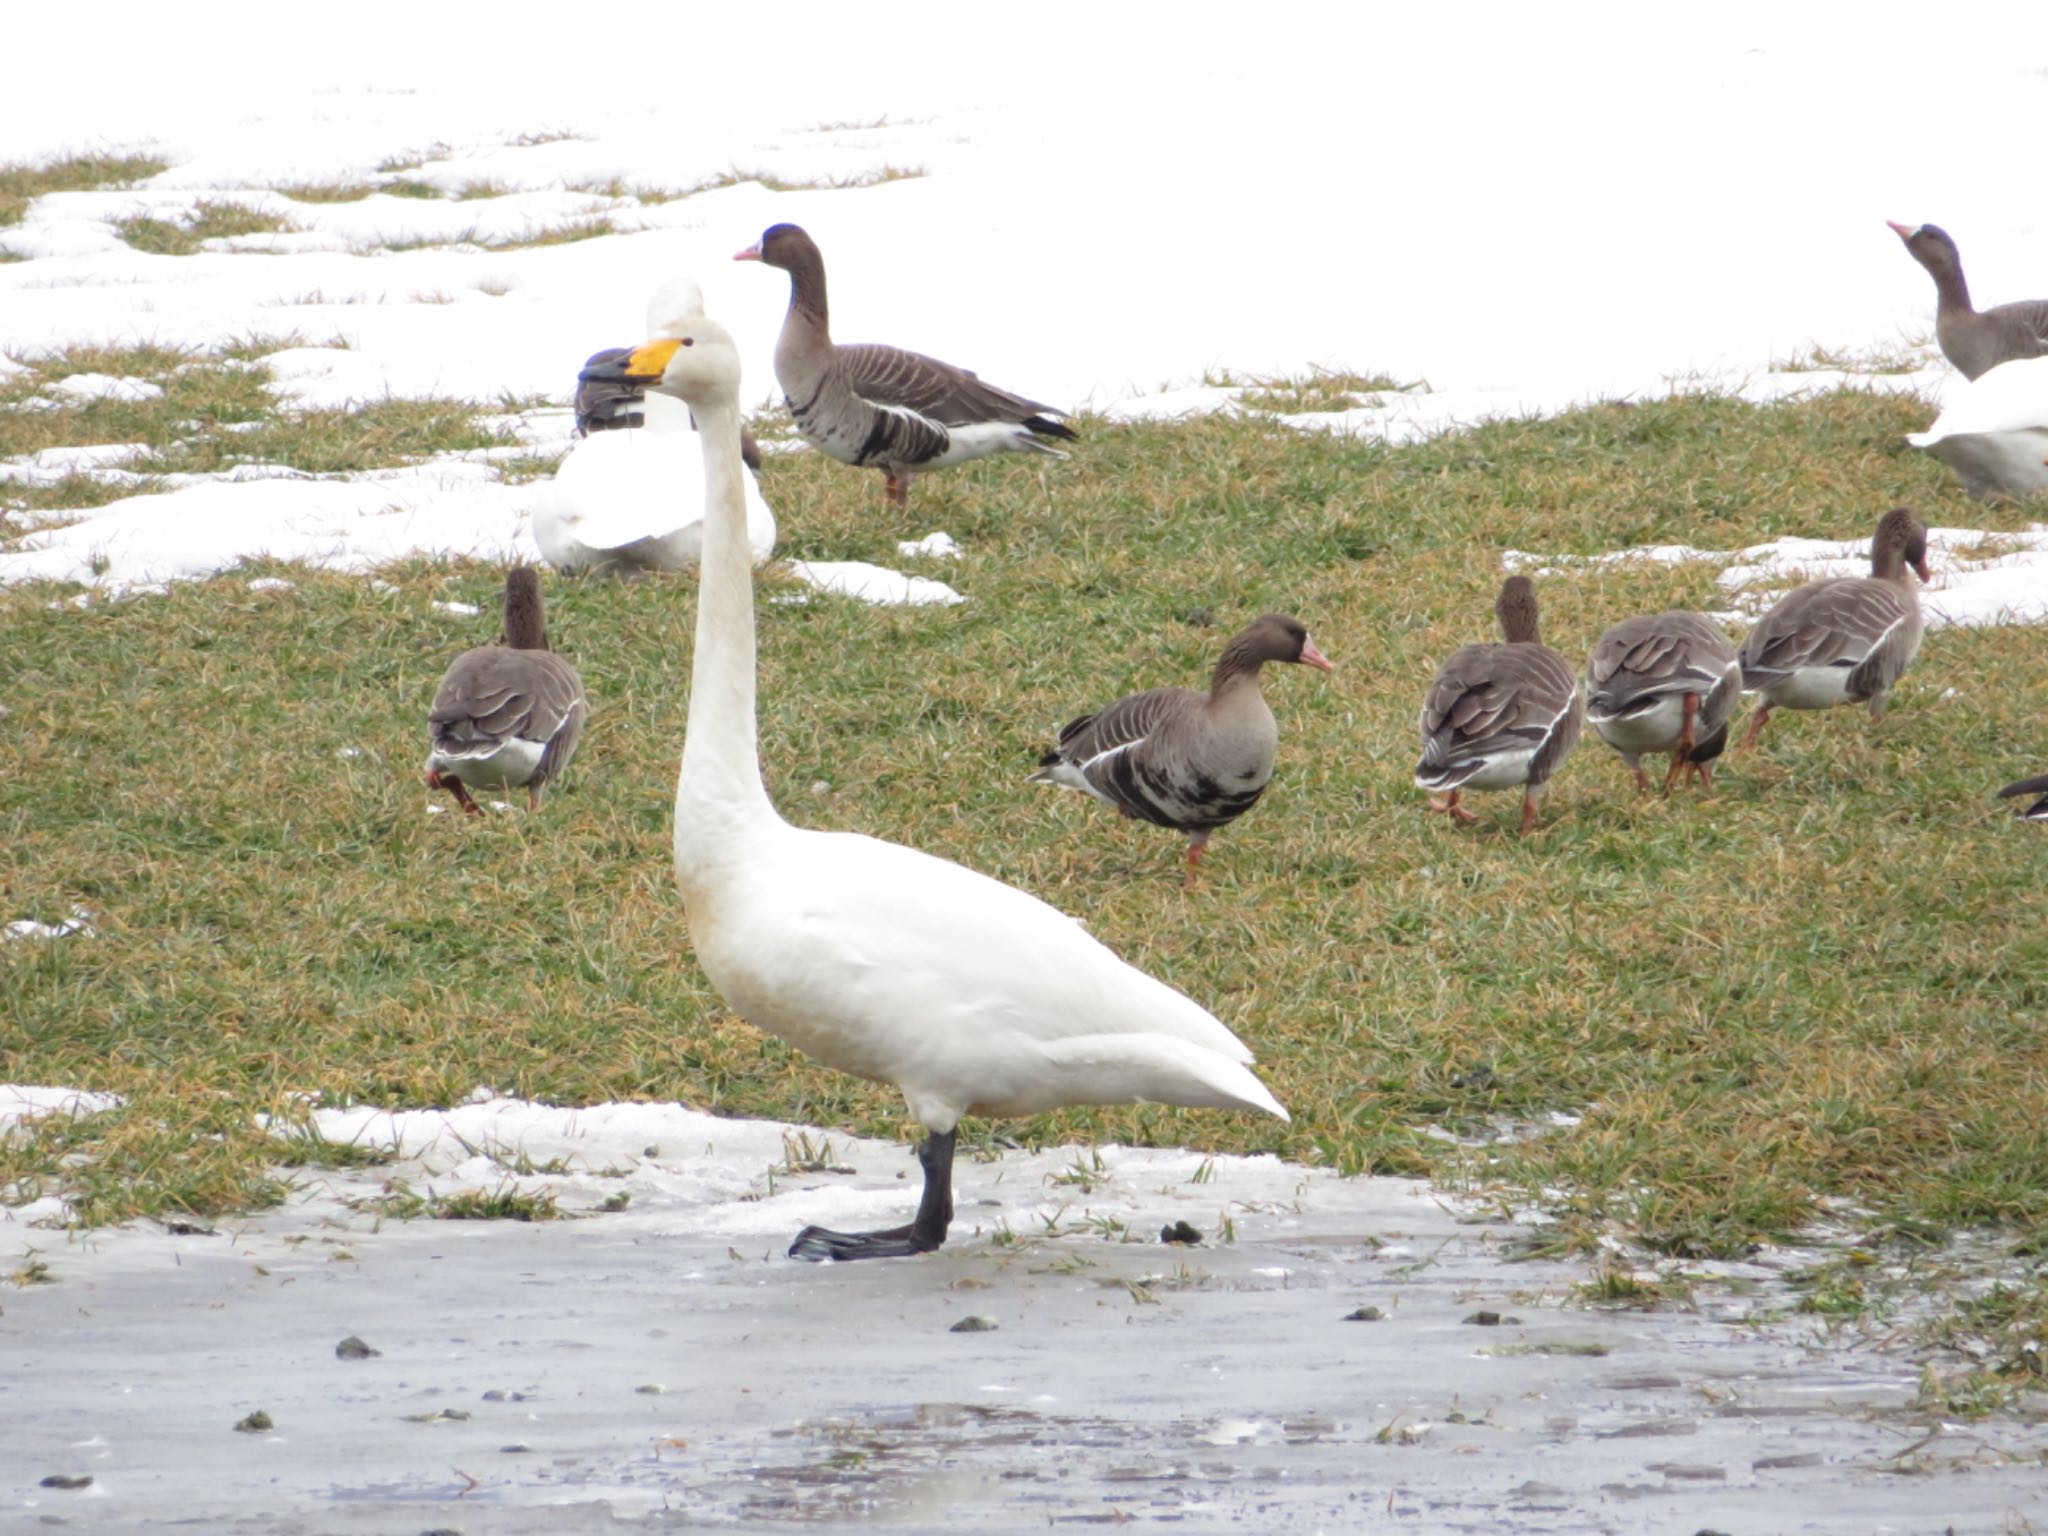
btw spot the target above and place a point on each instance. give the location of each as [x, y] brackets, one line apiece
[1664, 682]
[1500, 715]
[509, 713]
[1993, 432]
[2038, 811]
[883, 407]
[968, 995]
[1841, 641]
[1186, 760]
[628, 498]
[1976, 343]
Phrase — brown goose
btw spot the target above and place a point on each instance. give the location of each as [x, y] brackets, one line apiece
[882, 407]
[1500, 715]
[1181, 759]
[1841, 641]
[608, 402]
[1976, 343]
[509, 713]
[2038, 811]
[1664, 682]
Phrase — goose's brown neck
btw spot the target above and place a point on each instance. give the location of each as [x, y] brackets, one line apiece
[806, 268]
[1516, 610]
[526, 625]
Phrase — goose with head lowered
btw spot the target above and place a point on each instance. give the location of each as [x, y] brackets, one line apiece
[1664, 682]
[506, 714]
[628, 498]
[882, 407]
[968, 995]
[1975, 341]
[1186, 760]
[1841, 641]
[1499, 715]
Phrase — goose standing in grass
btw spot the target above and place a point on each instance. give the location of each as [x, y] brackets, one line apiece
[2038, 811]
[1664, 682]
[968, 995]
[1975, 342]
[506, 714]
[882, 407]
[1841, 641]
[1993, 432]
[1186, 760]
[628, 497]
[1500, 715]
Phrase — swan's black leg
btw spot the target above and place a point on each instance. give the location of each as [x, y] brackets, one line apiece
[928, 1231]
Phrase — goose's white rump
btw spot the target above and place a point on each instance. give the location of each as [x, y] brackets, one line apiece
[970, 995]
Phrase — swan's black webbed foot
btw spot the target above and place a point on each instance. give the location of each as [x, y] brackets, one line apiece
[928, 1231]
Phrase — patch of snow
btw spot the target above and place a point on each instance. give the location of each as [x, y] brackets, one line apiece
[872, 583]
[271, 584]
[460, 610]
[105, 386]
[933, 546]
[1979, 578]
[49, 465]
[20, 1102]
[440, 509]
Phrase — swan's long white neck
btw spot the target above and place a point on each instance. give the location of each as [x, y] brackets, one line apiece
[719, 795]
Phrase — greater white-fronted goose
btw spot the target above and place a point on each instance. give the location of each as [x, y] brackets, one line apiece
[967, 994]
[1664, 682]
[628, 497]
[882, 407]
[2038, 811]
[1975, 342]
[506, 714]
[1993, 432]
[1181, 759]
[1845, 640]
[1500, 715]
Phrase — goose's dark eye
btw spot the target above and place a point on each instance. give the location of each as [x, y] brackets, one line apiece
[689, 341]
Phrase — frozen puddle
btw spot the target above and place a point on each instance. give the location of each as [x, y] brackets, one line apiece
[662, 1365]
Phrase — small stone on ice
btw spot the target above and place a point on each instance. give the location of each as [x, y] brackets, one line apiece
[1179, 1232]
[652, 1389]
[255, 1424]
[1487, 1319]
[353, 1348]
[1364, 1315]
[975, 1323]
[62, 1480]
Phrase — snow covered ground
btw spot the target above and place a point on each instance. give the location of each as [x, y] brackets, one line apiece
[1508, 211]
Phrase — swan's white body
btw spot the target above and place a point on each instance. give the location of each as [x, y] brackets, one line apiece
[633, 499]
[969, 995]
[1994, 431]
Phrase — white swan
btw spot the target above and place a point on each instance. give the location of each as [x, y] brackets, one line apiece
[629, 499]
[1994, 431]
[968, 995]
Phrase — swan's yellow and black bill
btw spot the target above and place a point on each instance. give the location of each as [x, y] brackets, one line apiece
[642, 365]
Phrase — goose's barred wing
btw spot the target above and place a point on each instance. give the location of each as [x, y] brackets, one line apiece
[1492, 700]
[1826, 624]
[953, 397]
[1121, 725]
[494, 694]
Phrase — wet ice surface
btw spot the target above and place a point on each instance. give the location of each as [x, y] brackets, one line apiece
[663, 1364]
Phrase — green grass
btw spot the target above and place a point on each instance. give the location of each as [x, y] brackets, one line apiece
[21, 183]
[208, 220]
[1828, 981]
